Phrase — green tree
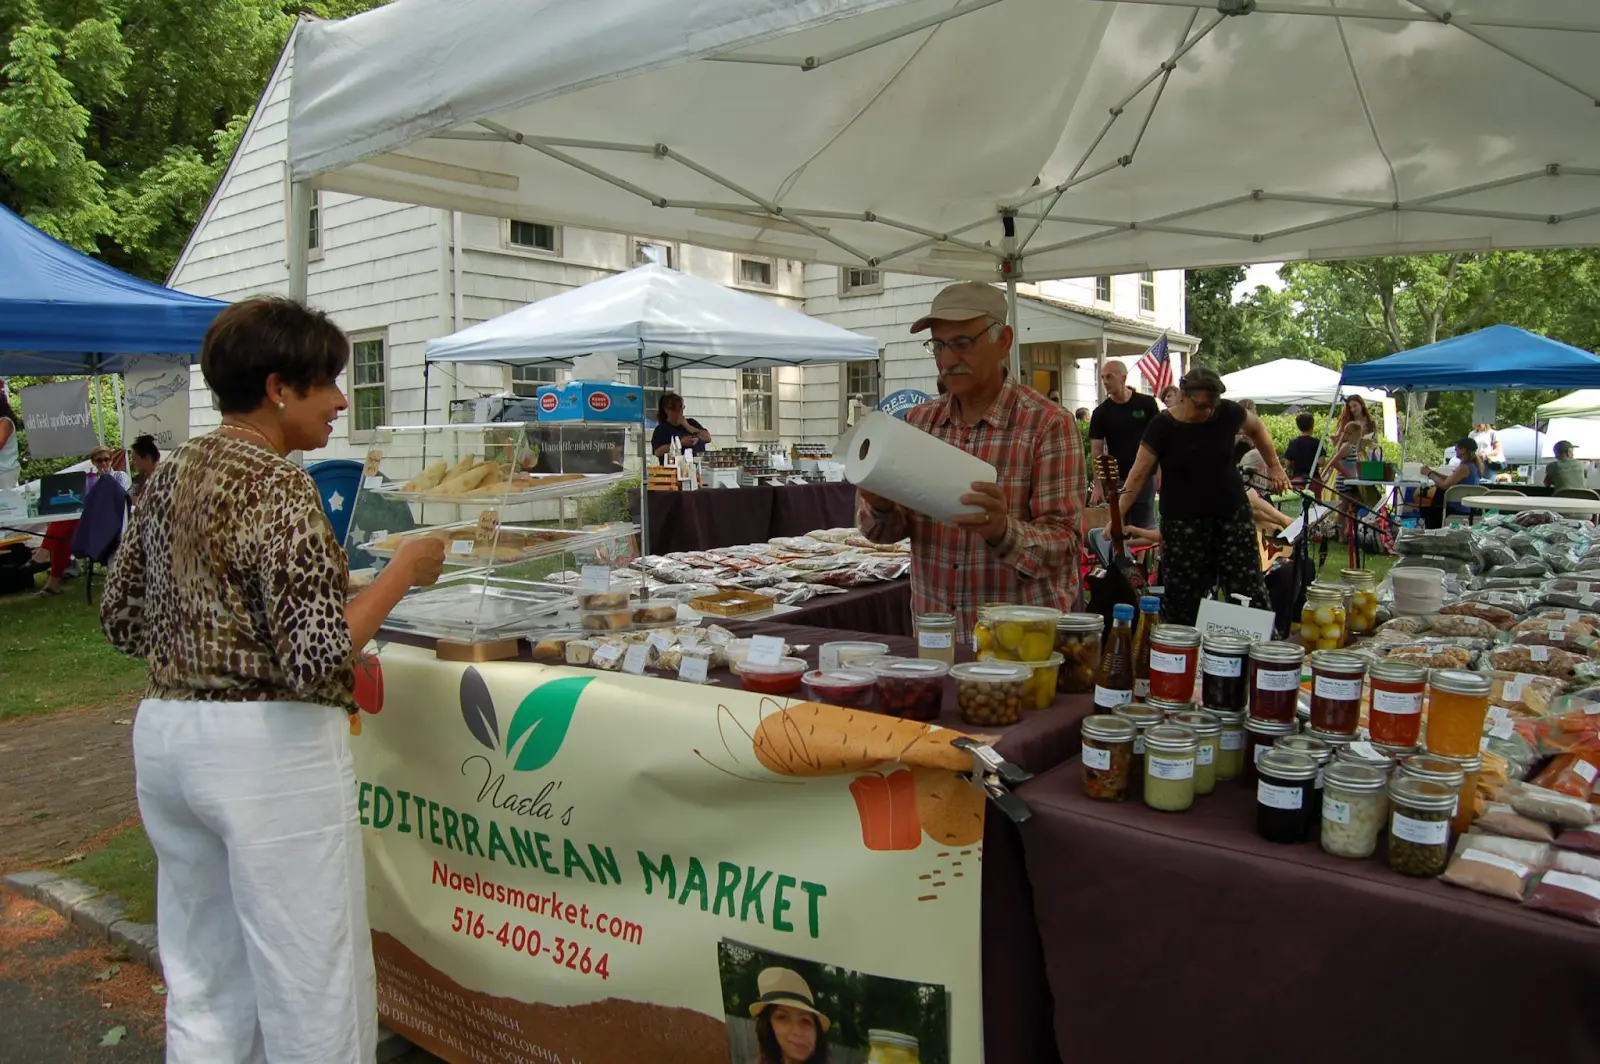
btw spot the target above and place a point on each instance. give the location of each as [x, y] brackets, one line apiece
[1228, 341]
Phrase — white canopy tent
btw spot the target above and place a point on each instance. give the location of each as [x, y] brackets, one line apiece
[1290, 381]
[992, 139]
[1525, 446]
[1574, 404]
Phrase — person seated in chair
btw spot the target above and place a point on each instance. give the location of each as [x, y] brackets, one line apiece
[1469, 470]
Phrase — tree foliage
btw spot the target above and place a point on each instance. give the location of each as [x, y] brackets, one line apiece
[118, 117]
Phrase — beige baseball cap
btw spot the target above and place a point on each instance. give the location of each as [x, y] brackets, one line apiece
[964, 301]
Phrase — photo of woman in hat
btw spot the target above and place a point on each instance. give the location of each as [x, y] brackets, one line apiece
[789, 1027]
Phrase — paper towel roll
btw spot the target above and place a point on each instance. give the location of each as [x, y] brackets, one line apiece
[904, 464]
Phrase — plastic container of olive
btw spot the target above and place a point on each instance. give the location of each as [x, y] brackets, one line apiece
[1040, 690]
[990, 693]
[1017, 633]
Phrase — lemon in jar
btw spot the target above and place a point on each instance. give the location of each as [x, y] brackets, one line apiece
[1324, 616]
[1332, 631]
[1009, 634]
[1036, 646]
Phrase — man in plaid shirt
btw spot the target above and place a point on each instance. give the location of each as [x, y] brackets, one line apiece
[1023, 544]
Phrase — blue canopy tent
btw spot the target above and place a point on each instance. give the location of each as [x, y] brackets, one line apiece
[62, 312]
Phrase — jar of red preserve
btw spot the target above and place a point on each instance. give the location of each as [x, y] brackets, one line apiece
[1275, 679]
[1174, 658]
[1394, 715]
[1336, 681]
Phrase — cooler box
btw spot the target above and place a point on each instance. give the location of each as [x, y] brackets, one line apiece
[590, 401]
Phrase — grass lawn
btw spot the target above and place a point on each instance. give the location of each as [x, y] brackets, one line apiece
[53, 656]
[126, 867]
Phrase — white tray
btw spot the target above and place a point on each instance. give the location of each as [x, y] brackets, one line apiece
[564, 489]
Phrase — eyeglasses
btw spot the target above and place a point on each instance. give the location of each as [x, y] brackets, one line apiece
[102, 460]
[1202, 408]
[959, 344]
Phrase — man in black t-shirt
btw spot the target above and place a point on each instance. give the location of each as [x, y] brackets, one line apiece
[1116, 427]
[1301, 454]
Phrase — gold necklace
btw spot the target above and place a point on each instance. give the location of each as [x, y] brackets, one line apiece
[258, 434]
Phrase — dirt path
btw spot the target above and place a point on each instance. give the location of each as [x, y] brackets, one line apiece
[65, 778]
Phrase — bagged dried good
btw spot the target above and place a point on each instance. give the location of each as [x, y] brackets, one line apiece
[1515, 602]
[1545, 661]
[1506, 759]
[1432, 655]
[1534, 518]
[1522, 545]
[1404, 625]
[1549, 806]
[1488, 873]
[1456, 543]
[1568, 774]
[1499, 818]
[1450, 624]
[1564, 894]
[1537, 855]
[1496, 552]
[1566, 620]
[1524, 692]
[1558, 637]
[1579, 864]
[1500, 619]
[1531, 566]
[1564, 531]
[1559, 558]
[1580, 840]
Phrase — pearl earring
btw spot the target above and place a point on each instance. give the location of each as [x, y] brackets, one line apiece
[280, 404]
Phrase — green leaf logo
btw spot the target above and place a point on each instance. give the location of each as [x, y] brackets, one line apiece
[544, 717]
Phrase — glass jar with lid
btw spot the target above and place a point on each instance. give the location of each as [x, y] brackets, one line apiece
[892, 1047]
[1107, 757]
[1419, 825]
[1208, 734]
[1169, 757]
[1364, 753]
[936, 636]
[1322, 619]
[1230, 744]
[1284, 793]
[1275, 679]
[1336, 683]
[1174, 661]
[1467, 801]
[1362, 616]
[1394, 712]
[1458, 703]
[1334, 742]
[1143, 718]
[1441, 770]
[1354, 807]
[1222, 672]
[1078, 643]
[1167, 707]
[1260, 736]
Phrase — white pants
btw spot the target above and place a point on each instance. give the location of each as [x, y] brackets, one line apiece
[261, 893]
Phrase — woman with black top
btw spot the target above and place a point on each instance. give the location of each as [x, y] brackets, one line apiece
[1208, 534]
[671, 424]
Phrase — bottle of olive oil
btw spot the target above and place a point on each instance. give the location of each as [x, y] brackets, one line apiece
[1113, 682]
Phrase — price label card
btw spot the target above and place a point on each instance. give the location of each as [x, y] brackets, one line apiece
[765, 650]
[594, 578]
[660, 642]
[372, 482]
[693, 668]
[634, 660]
[606, 655]
[461, 546]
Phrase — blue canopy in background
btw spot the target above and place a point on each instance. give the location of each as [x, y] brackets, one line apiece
[1499, 358]
[62, 312]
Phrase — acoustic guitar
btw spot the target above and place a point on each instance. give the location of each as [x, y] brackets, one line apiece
[1124, 579]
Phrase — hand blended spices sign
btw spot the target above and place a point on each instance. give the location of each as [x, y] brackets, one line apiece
[566, 866]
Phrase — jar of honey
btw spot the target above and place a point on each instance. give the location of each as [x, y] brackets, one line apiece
[892, 1047]
[1394, 713]
[1458, 702]
[1174, 660]
[1362, 610]
[1275, 679]
[1336, 682]
[1322, 620]
[1467, 807]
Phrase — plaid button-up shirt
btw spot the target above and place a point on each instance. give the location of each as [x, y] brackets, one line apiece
[1036, 450]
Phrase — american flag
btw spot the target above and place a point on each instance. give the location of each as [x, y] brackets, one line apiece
[1156, 366]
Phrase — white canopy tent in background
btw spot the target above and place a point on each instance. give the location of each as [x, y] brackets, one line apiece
[1291, 382]
[1523, 446]
[992, 139]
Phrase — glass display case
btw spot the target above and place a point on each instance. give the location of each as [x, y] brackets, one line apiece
[506, 519]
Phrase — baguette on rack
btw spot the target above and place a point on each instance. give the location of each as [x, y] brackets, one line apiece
[428, 479]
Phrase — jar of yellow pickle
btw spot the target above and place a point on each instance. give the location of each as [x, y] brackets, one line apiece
[1363, 609]
[1323, 618]
[1016, 633]
[891, 1047]
[983, 628]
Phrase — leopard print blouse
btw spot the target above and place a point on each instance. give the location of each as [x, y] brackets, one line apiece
[231, 583]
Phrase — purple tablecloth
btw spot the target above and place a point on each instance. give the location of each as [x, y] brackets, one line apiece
[884, 609]
[728, 517]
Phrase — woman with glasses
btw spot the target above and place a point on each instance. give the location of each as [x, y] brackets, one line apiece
[57, 548]
[1208, 531]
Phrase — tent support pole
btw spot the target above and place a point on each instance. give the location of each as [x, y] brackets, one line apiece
[644, 458]
[299, 239]
[1008, 222]
[99, 413]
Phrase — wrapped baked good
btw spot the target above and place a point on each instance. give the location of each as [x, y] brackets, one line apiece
[550, 651]
[1500, 619]
[579, 651]
[428, 479]
[1558, 637]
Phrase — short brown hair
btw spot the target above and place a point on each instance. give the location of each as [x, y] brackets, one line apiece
[253, 339]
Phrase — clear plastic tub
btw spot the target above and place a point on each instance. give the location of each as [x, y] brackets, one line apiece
[910, 688]
[780, 679]
[1017, 633]
[655, 613]
[1040, 690]
[851, 688]
[990, 693]
[615, 598]
[846, 654]
[620, 620]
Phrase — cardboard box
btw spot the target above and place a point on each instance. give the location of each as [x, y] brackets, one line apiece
[590, 401]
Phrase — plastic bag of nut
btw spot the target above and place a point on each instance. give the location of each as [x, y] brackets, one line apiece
[1544, 661]
[1501, 619]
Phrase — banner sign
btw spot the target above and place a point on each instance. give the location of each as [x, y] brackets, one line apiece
[156, 399]
[899, 402]
[575, 866]
[56, 419]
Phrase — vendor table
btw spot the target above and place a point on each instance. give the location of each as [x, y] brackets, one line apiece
[36, 525]
[1574, 507]
[884, 608]
[1242, 947]
[728, 517]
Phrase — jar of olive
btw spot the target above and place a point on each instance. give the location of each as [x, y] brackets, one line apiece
[1419, 825]
[1208, 735]
[1078, 643]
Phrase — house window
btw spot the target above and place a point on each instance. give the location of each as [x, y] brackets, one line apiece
[1102, 288]
[526, 380]
[648, 251]
[755, 272]
[533, 236]
[314, 228]
[1147, 293]
[314, 238]
[369, 387]
[758, 405]
[854, 282]
[654, 383]
[863, 383]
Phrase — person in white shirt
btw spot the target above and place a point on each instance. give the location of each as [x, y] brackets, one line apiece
[1489, 447]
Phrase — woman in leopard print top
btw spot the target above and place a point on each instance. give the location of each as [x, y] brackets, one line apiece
[231, 583]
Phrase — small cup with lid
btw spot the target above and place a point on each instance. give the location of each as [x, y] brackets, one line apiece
[912, 688]
[851, 688]
[1169, 764]
[991, 693]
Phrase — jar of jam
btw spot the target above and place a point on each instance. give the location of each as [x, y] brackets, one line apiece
[1078, 643]
[1208, 734]
[1167, 707]
[1260, 736]
[1441, 770]
[1222, 672]
[936, 636]
[1174, 660]
[1458, 702]
[1336, 680]
[1143, 718]
[1362, 611]
[1322, 618]
[1467, 807]
[1284, 796]
[1394, 713]
[1169, 757]
[1275, 679]
[1230, 744]
[1316, 750]
[1107, 757]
